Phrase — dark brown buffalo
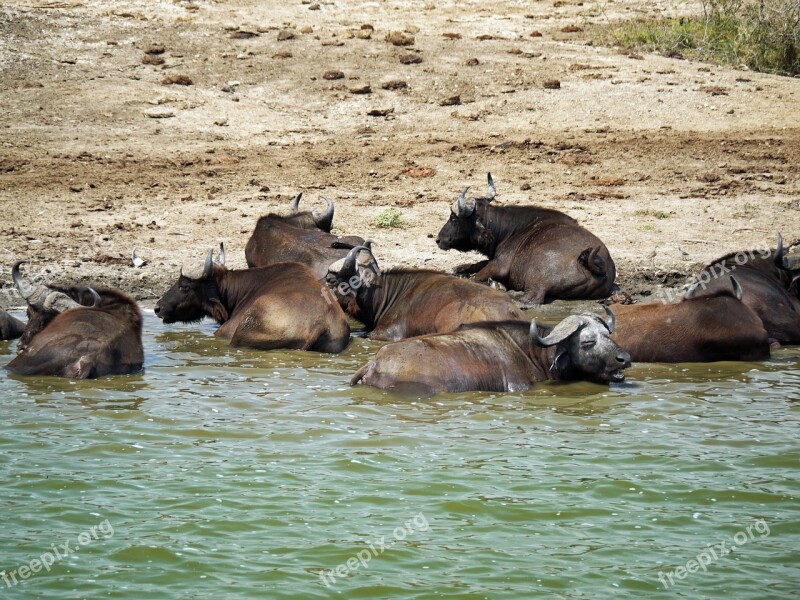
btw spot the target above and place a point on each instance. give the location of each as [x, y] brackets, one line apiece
[280, 306]
[302, 237]
[770, 288]
[539, 251]
[401, 303]
[499, 357]
[78, 332]
[10, 327]
[703, 327]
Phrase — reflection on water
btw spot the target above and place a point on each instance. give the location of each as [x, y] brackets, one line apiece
[232, 473]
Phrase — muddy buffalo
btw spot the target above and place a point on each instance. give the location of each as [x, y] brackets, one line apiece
[10, 327]
[280, 306]
[540, 251]
[302, 237]
[703, 327]
[400, 303]
[770, 288]
[78, 332]
[500, 357]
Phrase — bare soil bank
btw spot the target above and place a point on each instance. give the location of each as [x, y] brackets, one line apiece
[672, 163]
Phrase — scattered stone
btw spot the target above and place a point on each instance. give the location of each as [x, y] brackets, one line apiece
[708, 178]
[394, 85]
[380, 112]
[552, 84]
[306, 29]
[155, 49]
[400, 38]
[159, 113]
[333, 75]
[472, 62]
[221, 122]
[177, 80]
[525, 187]
[419, 172]
[451, 101]
[363, 89]
[536, 34]
[410, 59]
[714, 90]
[635, 56]
[152, 59]
[484, 37]
[75, 188]
[285, 35]
[451, 36]
[241, 34]
[314, 6]
[571, 29]
[607, 181]
[283, 54]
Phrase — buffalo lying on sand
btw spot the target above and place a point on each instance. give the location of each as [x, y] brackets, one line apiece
[280, 306]
[771, 288]
[401, 303]
[10, 327]
[540, 251]
[500, 357]
[703, 327]
[78, 332]
[302, 237]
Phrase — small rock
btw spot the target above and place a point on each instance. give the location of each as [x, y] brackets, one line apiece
[451, 101]
[75, 188]
[363, 89]
[221, 122]
[155, 49]
[152, 59]
[419, 172]
[472, 62]
[451, 36]
[525, 187]
[571, 29]
[333, 75]
[314, 6]
[552, 84]
[242, 34]
[285, 35]
[400, 38]
[282, 54]
[536, 34]
[410, 59]
[176, 80]
[395, 84]
[380, 112]
[306, 29]
[159, 113]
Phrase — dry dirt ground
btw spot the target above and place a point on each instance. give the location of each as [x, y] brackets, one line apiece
[671, 162]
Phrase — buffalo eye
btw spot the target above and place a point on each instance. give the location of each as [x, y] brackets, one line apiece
[588, 344]
[184, 287]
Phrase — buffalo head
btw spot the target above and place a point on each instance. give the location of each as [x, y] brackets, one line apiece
[357, 271]
[584, 348]
[464, 230]
[321, 219]
[193, 296]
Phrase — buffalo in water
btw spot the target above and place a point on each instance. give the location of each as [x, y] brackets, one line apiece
[280, 306]
[703, 327]
[770, 288]
[10, 327]
[77, 332]
[400, 303]
[500, 357]
[540, 251]
[301, 236]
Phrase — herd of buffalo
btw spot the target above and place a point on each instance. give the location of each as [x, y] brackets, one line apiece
[446, 333]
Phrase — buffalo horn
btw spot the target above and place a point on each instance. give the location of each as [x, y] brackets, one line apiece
[222, 253]
[137, 260]
[779, 253]
[737, 289]
[295, 205]
[492, 188]
[33, 294]
[611, 321]
[560, 332]
[692, 290]
[324, 220]
[208, 269]
[461, 208]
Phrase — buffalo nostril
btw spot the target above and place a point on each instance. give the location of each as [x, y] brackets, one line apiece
[157, 309]
[624, 358]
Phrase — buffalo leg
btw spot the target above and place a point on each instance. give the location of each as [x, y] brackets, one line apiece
[492, 269]
[470, 268]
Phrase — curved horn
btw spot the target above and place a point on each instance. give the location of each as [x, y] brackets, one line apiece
[794, 285]
[779, 253]
[560, 332]
[461, 207]
[208, 268]
[295, 204]
[324, 220]
[368, 244]
[33, 294]
[611, 321]
[492, 187]
[221, 259]
[96, 300]
[737, 289]
[137, 260]
[692, 290]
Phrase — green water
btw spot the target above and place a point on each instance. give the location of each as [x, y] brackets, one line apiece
[224, 473]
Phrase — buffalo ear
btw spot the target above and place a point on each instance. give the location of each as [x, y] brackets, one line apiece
[218, 312]
[367, 268]
[560, 359]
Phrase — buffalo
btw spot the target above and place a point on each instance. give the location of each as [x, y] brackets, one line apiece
[400, 303]
[500, 357]
[10, 327]
[539, 251]
[78, 332]
[279, 306]
[301, 236]
[702, 327]
[770, 288]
